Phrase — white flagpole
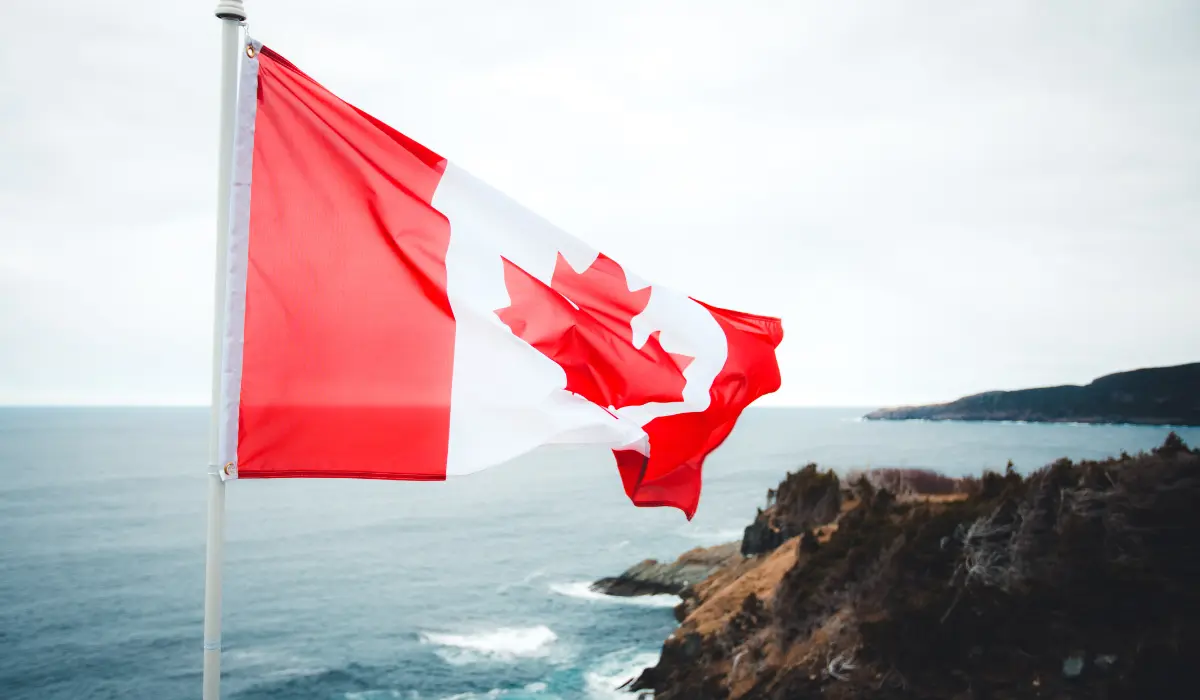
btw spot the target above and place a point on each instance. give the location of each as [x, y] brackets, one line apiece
[232, 14]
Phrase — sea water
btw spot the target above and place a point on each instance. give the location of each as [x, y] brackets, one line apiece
[361, 590]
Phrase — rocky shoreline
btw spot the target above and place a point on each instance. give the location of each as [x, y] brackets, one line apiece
[652, 578]
[1081, 580]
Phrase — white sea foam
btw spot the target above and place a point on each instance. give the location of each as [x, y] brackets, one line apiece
[382, 695]
[504, 644]
[720, 536]
[583, 591]
[533, 690]
[601, 681]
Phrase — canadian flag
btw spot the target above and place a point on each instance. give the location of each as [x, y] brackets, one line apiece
[391, 317]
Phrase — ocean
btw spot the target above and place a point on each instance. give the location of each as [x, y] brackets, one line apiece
[345, 590]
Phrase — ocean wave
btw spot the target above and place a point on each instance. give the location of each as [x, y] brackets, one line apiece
[600, 681]
[533, 691]
[505, 644]
[346, 683]
[271, 663]
[613, 670]
[714, 536]
[583, 591]
[529, 578]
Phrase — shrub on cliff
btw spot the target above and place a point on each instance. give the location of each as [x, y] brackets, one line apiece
[805, 499]
[906, 481]
[1081, 580]
[1087, 560]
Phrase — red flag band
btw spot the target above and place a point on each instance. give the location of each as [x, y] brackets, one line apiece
[392, 317]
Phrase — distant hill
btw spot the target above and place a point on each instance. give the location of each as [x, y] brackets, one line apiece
[1154, 396]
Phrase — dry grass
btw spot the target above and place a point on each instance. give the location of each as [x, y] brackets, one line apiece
[974, 590]
[721, 595]
[908, 481]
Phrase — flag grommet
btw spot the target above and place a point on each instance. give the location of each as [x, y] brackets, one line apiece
[249, 50]
[230, 469]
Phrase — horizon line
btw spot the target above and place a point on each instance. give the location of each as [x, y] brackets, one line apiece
[4, 405]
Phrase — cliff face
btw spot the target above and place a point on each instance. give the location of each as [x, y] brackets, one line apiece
[1157, 396]
[1079, 581]
[804, 500]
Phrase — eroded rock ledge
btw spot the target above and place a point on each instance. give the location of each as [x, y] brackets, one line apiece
[652, 578]
[1081, 580]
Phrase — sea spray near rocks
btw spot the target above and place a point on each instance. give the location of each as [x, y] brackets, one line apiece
[504, 644]
[653, 578]
[607, 679]
[583, 590]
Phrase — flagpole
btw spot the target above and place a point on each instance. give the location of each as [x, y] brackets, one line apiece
[231, 13]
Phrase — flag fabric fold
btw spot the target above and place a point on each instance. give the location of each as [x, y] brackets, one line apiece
[392, 317]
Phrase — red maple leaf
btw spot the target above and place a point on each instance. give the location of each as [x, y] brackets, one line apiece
[583, 323]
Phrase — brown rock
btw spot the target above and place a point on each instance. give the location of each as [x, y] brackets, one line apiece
[653, 578]
[980, 595]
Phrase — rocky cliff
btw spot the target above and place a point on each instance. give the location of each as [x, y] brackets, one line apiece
[1155, 396]
[803, 501]
[1081, 580]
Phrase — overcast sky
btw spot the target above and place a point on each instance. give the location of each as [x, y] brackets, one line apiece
[937, 198]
